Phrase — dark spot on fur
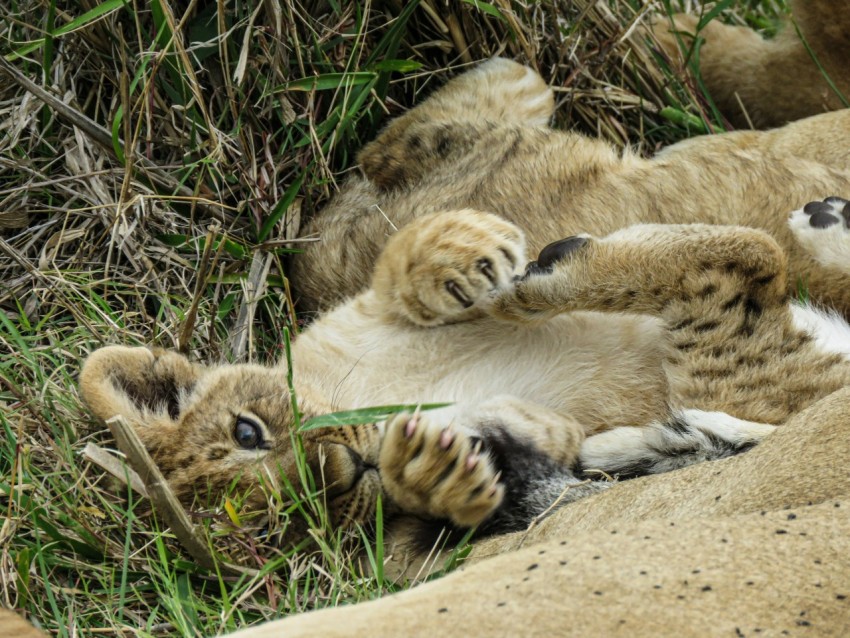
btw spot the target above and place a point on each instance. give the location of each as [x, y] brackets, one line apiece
[706, 326]
[752, 307]
[443, 145]
[442, 610]
[734, 301]
[684, 323]
[532, 567]
[217, 453]
[710, 289]
[706, 588]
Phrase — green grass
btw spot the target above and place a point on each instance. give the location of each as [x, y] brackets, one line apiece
[214, 134]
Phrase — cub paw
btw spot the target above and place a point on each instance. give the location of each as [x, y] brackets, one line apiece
[438, 471]
[448, 266]
[512, 92]
[823, 229]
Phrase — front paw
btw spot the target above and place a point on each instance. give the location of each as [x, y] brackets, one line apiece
[438, 471]
[447, 267]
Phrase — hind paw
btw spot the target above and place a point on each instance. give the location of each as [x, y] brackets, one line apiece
[823, 229]
[512, 91]
[447, 267]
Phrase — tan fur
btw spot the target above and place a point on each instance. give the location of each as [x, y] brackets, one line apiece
[14, 626]
[755, 545]
[723, 340]
[754, 81]
[444, 318]
[714, 330]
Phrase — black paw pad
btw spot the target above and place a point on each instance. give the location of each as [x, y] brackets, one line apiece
[823, 220]
[829, 212]
[813, 208]
[558, 250]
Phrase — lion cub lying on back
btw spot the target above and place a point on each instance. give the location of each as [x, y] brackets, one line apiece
[454, 315]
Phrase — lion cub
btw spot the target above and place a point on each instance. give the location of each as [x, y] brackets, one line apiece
[638, 352]
[482, 142]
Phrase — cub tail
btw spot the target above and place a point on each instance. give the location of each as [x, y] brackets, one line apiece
[687, 437]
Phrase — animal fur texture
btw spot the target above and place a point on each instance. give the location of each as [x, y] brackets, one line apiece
[659, 333]
[637, 338]
[483, 142]
[754, 545]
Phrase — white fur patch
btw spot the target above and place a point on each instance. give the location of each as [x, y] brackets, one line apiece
[728, 428]
[614, 448]
[830, 330]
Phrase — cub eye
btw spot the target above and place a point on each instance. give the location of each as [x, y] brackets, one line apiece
[248, 434]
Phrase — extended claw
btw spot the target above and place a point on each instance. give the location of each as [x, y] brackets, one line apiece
[447, 437]
[474, 456]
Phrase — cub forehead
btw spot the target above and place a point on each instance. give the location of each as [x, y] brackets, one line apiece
[243, 384]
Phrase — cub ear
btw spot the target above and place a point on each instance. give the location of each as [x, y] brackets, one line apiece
[146, 387]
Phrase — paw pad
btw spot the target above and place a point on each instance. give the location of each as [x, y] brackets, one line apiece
[829, 212]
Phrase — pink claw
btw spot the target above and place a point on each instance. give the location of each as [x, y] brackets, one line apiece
[447, 437]
[495, 488]
[410, 427]
[474, 456]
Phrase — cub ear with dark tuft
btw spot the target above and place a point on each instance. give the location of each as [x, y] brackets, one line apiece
[139, 384]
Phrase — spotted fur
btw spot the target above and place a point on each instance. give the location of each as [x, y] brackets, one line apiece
[629, 329]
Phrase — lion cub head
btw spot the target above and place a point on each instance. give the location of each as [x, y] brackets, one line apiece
[220, 428]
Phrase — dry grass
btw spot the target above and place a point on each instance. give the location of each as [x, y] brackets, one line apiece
[155, 162]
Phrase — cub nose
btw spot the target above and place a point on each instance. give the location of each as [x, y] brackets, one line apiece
[343, 468]
[357, 462]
